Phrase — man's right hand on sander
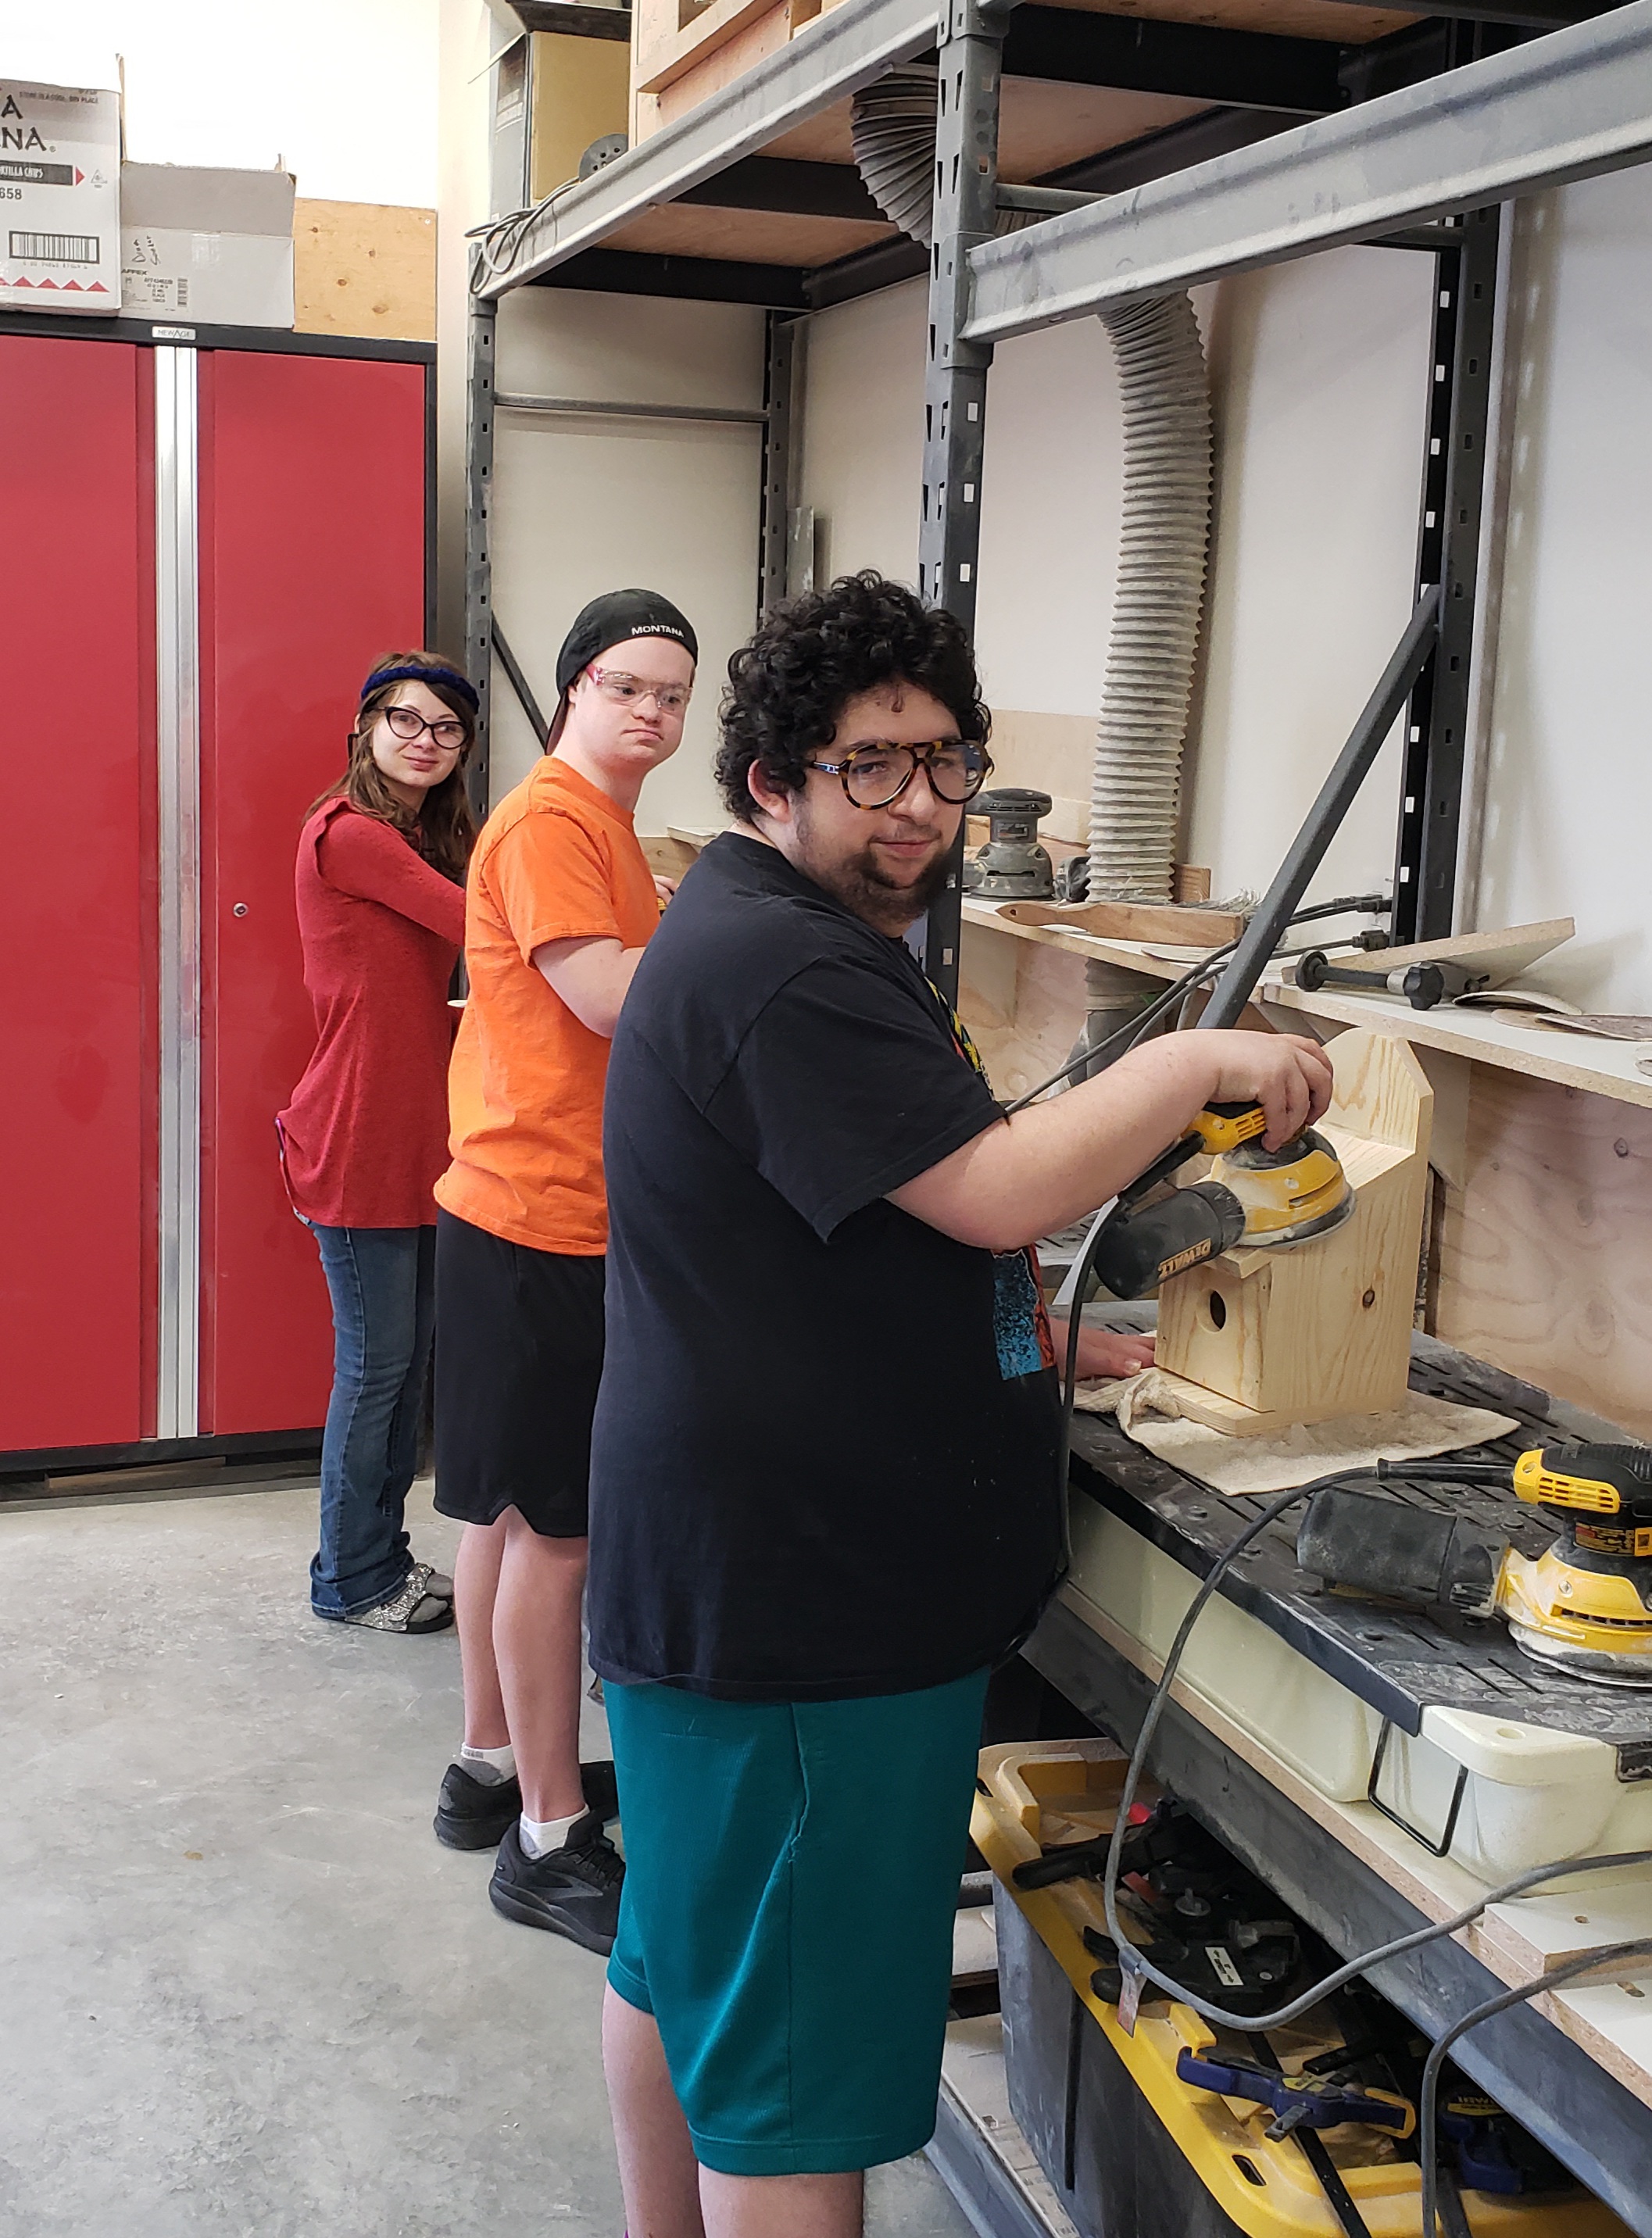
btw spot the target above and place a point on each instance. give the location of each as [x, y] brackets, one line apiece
[1057, 1160]
[1289, 1077]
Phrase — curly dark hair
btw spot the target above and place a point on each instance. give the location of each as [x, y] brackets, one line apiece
[790, 684]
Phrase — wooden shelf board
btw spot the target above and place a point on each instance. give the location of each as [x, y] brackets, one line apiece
[1042, 126]
[1594, 1068]
[740, 236]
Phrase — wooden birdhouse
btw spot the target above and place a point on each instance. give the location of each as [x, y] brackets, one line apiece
[1264, 1338]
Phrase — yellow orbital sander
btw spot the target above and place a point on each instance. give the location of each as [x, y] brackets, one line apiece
[1583, 1604]
[1251, 1196]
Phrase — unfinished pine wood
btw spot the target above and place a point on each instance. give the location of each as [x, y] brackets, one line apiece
[365, 268]
[1540, 1933]
[1024, 1008]
[1049, 753]
[581, 90]
[1298, 19]
[745, 236]
[1546, 1258]
[1503, 954]
[1312, 1334]
[668, 857]
[1196, 927]
[1600, 1067]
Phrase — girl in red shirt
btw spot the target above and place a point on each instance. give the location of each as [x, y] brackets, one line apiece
[382, 915]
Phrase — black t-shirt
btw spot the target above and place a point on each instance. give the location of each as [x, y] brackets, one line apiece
[825, 1451]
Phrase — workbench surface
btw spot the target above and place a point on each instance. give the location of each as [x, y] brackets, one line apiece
[1398, 1660]
[1574, 2065]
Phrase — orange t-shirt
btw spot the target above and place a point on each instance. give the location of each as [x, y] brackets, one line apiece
[557, 860]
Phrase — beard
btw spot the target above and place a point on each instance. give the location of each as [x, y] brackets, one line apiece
[865, 888]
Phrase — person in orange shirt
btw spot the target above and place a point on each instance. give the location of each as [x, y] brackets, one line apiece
[559, 904]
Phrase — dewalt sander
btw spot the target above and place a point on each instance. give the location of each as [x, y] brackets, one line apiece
[1584, 1603]
[1250, 1195]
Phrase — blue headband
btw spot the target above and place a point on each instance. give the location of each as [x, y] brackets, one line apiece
[450, 677]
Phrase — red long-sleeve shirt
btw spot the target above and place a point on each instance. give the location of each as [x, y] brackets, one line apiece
[366, 1133]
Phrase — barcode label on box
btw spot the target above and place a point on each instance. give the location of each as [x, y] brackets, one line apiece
[54, 248]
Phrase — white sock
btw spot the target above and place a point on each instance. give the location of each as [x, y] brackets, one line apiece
[493, 1767]
[540, 1837]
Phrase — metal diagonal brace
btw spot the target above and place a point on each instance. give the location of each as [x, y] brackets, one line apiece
[1381, 711]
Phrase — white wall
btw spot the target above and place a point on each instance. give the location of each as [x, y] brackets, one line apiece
[1320, 376]
[1567, 817]
[1320, 373]
[582, 507]
[464, 140]
[342, 92]
[863, 432]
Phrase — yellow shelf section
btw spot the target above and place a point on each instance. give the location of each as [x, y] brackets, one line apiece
[1593, 1066]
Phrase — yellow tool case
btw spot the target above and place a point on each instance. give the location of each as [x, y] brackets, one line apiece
[1134, 2149]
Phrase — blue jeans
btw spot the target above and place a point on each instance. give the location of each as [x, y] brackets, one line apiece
[383, 1286]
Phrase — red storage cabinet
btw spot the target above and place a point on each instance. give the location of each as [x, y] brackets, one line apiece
[76, 539]
[305, 473]
[312, 563]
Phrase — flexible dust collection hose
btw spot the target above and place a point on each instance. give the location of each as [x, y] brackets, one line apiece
[1158, 594]
[892, 133]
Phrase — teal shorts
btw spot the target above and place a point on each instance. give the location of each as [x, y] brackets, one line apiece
[791, 1875]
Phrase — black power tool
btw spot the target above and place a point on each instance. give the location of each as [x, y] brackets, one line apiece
[1584, 1603]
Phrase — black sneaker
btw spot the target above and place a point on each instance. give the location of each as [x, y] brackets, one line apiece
[473, 1815]
[573, 1891]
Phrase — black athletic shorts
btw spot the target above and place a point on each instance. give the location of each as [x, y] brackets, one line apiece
[518, 1355]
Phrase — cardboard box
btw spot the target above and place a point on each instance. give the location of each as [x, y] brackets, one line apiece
[60, 157]
[212, 247]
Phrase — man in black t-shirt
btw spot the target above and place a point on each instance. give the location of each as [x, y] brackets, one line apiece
[823, 1497]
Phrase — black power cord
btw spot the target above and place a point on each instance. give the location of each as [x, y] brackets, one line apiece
[1131, 1031]
[1134, 1962]
[1610, 1954]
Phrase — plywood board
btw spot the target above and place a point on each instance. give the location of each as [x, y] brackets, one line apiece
[1546, 1250]
[367, 268]
[743, 236]
[699, 72]
[1042, 125]
[1195, 927]
[1504, 954]
[1024, 1006]
[1295, 19]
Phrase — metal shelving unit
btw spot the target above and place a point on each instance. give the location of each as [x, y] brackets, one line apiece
[1411, 142]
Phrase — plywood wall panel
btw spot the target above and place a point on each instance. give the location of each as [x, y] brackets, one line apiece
[364, 268]
[1546, 1250]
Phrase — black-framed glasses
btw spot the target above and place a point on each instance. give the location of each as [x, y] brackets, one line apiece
[407, 724]
[881, 771]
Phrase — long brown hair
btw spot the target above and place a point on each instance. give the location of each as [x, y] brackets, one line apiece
[443, 828]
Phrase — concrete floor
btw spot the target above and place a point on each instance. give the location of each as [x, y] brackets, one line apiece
[247, 1992]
